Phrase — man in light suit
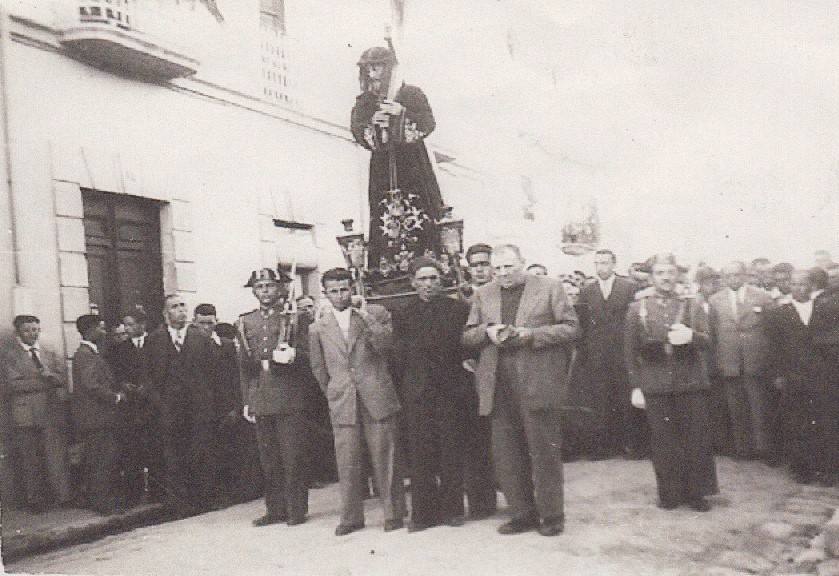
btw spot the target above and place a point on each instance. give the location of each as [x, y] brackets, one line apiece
[348, 354]
[95, 401]
[602, 306]
[31, 381]
[523, 327]
[741, 345]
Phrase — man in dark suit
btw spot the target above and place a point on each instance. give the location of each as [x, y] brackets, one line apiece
[349, 348]
[436, 393]
[824, 326]
[740, 348]
[602, 305]
[523, 326]
[799, 372]
[270, 363]
[31, 383]
[216, 413]
[179, 357]
[95, 402]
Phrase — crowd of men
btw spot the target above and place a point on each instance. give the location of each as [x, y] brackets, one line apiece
[459, 395]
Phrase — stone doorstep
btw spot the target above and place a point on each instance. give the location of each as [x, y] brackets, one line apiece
[16, 546]
[831, 535]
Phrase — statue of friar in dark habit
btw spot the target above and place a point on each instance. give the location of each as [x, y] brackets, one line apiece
[391, 119]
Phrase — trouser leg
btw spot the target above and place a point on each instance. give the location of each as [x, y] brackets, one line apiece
[479, 480]
[510, 455]
[740, 417]
[758, 406]
[204, 465]
[267, 429]
[293, 448]
[101, 468]
[666, 448]
[699, 470]
[30, 457]
[543, 433]
[348, 454]
[381, 439]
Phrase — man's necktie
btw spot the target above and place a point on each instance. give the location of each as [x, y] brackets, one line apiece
[35, 359]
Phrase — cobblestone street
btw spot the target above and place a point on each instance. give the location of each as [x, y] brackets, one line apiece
[761, 523]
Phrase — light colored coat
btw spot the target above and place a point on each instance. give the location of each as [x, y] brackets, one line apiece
[542, 365]
[32, 397]
[741, 343]
[347, 369]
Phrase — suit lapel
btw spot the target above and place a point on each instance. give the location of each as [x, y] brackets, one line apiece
[528, 298]
[493, 299]
[355, 330]
[334, 333]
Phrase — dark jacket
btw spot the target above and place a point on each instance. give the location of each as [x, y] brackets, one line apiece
[793, 354]
[602, 323]
[178, 381]
[94, 391]
[655, 366]
[429, 350]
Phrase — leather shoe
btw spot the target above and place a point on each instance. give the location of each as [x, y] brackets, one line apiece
[518, 525]
[344, 529]
[295, 520]
[455, 521]
[268, 519]
[395, 524]
[700, 505]
[481, 513]
[667, 505]
[551, 526]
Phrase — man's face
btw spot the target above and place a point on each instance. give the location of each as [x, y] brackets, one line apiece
[268, 292]
[120, 333]
[538, 271]
[375, 70]
[604, 265]
[480, 267]
[339, 293]
[176, 312]
[427, 283]
[508, 268]
[206, 322]
[29, 332]
[733, 276]
[782, 281]
[132, 327]
[665, 277]
[98, 333]
[800, 286]
[709, 286]
[307, 306]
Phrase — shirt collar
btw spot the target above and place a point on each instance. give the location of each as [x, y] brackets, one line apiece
[816, 293]
[27, 347]
[91, 345]
[216, 339]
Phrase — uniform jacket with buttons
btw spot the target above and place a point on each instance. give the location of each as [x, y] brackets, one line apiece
[355, 369]
[654, 365]
[281, 388]
[740, 341]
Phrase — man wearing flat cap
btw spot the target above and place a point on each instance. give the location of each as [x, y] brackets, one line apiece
[273, 393]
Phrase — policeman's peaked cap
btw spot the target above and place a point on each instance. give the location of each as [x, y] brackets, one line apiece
[268, 274]
[377, 55]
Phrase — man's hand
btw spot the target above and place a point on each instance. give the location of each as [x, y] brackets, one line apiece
[392, 108]
[523, 336]
[637, 399]
[469, 365]
[247, 415]
[779, 383]
[284, 355]
[492, 333]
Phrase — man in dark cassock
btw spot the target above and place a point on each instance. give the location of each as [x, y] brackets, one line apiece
[436, 393]
[663, 339]
[393, 130]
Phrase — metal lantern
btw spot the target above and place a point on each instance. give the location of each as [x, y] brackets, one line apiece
[581, 231]
[451, 233]
[353, 246]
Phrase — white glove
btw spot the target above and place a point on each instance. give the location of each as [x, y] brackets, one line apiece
[469, 365]
[285, 354]
[679, 335]
[492, 333]
[637, 399]
[247, 415]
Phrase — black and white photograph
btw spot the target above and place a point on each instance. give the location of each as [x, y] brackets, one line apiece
[419, 288]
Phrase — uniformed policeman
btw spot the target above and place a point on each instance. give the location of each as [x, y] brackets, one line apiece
[665, 335]
[273, 395]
